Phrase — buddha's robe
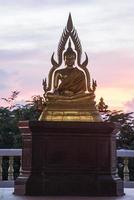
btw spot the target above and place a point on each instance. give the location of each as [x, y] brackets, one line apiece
[72, 81]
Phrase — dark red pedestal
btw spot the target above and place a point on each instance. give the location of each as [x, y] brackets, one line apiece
[69, 158]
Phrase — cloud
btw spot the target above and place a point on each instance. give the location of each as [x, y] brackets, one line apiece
[114, 68]
[100, 24]
[129, 105]
[19, 55]
[40, 3]
[114, 97]
[30, 32]
[7, 76]
[4, 75]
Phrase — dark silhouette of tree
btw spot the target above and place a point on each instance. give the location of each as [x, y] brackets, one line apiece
[125, 137]
[10, 136]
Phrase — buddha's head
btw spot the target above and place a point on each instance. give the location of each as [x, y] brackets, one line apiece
[69, 56]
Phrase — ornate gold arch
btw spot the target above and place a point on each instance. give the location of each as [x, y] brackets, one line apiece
[69, 32]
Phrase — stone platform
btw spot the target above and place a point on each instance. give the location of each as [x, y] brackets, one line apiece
[7, 193]
[69, 158]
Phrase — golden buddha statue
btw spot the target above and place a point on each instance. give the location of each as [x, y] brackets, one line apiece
[69, 96]
[72, 80]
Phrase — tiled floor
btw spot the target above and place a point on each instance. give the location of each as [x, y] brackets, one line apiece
[7, 194]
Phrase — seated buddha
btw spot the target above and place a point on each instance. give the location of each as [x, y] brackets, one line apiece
[69, 83]
[70, 80]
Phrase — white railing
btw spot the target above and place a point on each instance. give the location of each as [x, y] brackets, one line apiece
[125, 154]
[12, 153]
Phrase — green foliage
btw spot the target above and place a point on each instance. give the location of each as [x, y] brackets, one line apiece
[9, 132]
[10, 136]
[6, 138]
[125, 138]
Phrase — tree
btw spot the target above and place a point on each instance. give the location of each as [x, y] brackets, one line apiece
[125, 138]
[10, 136]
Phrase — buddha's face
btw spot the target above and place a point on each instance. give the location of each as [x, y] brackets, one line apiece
[70, 60]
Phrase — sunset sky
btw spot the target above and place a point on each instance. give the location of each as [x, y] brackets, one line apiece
[30, 31]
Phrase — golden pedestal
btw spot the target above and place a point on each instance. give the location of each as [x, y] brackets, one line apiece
[75, 108]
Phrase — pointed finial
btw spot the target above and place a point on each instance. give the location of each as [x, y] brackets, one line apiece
[69, 22]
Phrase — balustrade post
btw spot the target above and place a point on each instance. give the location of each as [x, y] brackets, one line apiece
[126, 170]
[117, 171]
[10, 169]
[20, 165]
[0, 167]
